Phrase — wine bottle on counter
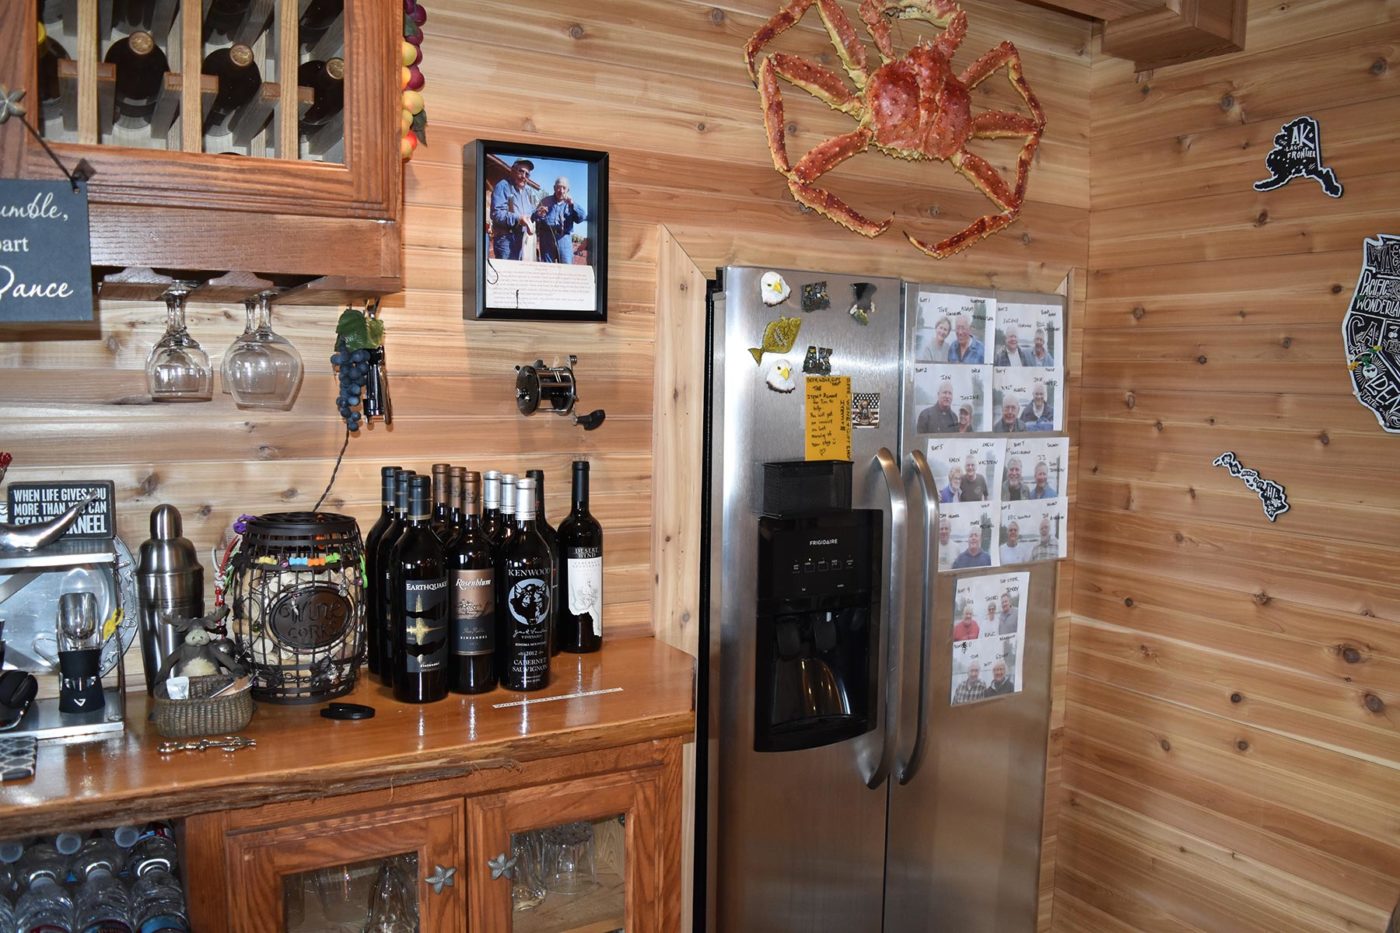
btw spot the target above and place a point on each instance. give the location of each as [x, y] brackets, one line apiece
[456, 494]
[327, 82]
[319, 17]
[239, 81]
[442, 504]
[552, 539]
[522, 598]
[508, 503]
[141, 68]
[49, 54]
[421, 603]
[581, 572]
[491, 505]
[222, 19]
[472, 569]
[387, 639]
[374, 619]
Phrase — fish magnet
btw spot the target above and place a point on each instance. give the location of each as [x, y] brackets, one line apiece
[863, 304]
[778, 337]
[815, 297]
[780, 377]
[817, 361]
[775, 291]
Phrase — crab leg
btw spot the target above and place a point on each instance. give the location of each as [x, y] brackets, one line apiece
[838, 26]
[943, 13]
[1000, 124]
[823, 158]
[771, 96]
[1005, 54]
[822, 83]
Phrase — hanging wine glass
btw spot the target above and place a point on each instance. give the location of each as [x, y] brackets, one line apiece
[250, 324]
[177, 369]
[264, 369]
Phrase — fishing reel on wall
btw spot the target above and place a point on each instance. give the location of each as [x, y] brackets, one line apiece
[555, 386]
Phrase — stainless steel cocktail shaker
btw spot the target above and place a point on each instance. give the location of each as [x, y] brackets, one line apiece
[168, 578]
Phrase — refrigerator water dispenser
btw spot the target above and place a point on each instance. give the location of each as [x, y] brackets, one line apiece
[815, 664]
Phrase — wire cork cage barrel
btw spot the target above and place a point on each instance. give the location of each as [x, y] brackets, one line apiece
[298, 608]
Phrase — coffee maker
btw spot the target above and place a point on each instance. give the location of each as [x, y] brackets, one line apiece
[819, 563]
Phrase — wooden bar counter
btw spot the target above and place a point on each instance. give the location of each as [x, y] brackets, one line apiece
[639, 690]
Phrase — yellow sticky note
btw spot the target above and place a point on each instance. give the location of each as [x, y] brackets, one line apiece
[828, 417]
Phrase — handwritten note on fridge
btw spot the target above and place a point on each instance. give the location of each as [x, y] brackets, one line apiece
[828, 417]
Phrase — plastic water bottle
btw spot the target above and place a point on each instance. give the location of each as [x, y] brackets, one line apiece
[158, 903]
[67, 843]
[102, 904]
[97, 852]
[42, 858]
[125, 836]
[153, 850]
[7, 915]
[45, 907]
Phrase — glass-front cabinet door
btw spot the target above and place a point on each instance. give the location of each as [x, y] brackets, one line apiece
[391, 871]
[577, 857]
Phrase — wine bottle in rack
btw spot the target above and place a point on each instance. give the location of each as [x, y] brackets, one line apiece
[49, 54]
[581, 572]
[318, 19]
[421, 603]
[551, 538]
[141, 68]
[327, 82]
[472, 569]
[373, 618]
[224, 18]
[239, 81]
[522, 598]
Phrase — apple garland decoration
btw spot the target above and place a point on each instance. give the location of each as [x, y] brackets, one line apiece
[413, 118]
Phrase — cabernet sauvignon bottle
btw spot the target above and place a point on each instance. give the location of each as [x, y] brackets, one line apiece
[472, 570]
[442, 504]
[387, 641]
[327, 82]
[552, 539]
[421, 604]
[373, 618]
[141, 68]
[581, 572]
[239, 81]
[522, 599]
[491, 505]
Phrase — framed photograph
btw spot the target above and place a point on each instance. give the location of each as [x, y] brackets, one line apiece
[537, 224]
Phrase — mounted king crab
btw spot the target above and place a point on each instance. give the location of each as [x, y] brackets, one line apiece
[913, 108]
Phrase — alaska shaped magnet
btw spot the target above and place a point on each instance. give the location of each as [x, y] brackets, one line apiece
[1297, 153]
[780, 377]
[778, 337]
[775, 291]
[1271, 494]
[815, 297]
[865, 409]
[863, 303]
[817, 361]
[1371, 331]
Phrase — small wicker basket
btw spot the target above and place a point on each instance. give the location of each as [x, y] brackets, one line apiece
[202, 714]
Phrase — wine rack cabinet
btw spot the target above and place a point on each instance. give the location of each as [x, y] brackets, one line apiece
[263, 177]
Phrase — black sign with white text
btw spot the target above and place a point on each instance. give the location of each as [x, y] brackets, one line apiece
[33, 503]
[45, 251]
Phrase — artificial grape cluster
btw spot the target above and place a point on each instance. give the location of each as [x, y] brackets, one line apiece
[414, 119]
[353, 368]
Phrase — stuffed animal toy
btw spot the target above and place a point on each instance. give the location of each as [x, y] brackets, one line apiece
[201, 654]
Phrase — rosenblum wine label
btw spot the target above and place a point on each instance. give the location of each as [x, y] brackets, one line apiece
[585, 575]
[425, 624]
[473, 612]
[527, 615]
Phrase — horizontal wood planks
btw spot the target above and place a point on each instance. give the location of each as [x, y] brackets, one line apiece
[1231, 759]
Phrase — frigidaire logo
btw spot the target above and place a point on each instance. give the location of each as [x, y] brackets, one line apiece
[411, 586]
[820, 541]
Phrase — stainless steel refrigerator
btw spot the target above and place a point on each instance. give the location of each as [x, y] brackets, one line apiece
[846, 795]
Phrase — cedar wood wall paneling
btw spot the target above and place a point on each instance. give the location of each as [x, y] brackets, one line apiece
[662, 87]
[1231, 759]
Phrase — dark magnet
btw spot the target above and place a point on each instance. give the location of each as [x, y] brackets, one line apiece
[814, 297]
[863, 304]
[865, 409]
[348, 711]
[817, 362]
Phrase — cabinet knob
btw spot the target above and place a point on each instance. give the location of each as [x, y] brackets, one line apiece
[502, 867]
[441, 878]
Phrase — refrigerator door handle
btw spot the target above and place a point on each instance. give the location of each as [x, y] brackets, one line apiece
[906, 767]
[891, 619]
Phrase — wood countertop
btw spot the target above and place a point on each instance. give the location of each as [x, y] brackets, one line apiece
[634, 690]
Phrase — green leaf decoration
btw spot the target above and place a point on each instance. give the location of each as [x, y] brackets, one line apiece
[410, 28]
[420, 126]
[360, 332]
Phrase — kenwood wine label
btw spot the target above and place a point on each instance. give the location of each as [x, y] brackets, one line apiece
[473, 612]
[425, 625]
[527, 602]
[45, 251]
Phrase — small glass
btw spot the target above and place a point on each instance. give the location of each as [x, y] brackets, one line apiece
[570, 865]
[262, 368]
[250, 324]
[177, 369]
[527, 880]
[392, 905]
[77, 621]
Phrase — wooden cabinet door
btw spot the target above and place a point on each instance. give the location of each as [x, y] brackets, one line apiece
[593, 855]
[322, 875]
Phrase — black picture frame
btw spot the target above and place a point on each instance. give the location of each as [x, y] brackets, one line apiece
[511, 277]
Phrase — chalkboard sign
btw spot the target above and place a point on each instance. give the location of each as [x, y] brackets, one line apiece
[32, 503]
[45, 252]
